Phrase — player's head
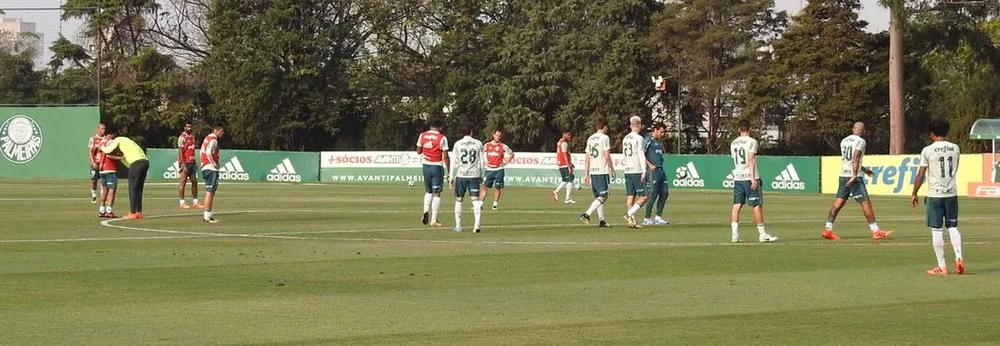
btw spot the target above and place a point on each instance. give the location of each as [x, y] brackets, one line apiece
[101, 129]
[218, 130]
[467, 129]
[659, 130]
[635, 123]
[939, 128]
[744, 126]
[434, 123]
[110, 131]
[567, 135]
[187, 127]
[497, 135]
[858, 128]
[601, 126]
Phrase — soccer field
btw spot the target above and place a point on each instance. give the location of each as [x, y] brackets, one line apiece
[352, 265]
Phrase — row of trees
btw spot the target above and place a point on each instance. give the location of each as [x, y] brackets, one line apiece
[366, 74]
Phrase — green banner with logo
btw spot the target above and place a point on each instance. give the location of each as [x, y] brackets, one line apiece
[46, 142]
[244, 166]
[714, 172]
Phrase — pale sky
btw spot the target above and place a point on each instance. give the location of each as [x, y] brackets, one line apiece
[48, 21]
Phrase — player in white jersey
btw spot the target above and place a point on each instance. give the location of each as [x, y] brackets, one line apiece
[467, 175]
[746, 183]
[939, 164]
[599, 171]
[852, 185]
[635, 170]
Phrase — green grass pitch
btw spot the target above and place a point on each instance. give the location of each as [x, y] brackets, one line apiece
[352, 265]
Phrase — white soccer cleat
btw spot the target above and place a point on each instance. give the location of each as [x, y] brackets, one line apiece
[570, 201]
[736, 240]
[767, 238]
[661, 221]
[458, 229]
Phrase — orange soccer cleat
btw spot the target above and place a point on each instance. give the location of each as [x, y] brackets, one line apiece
[938, 271]
[880, 234]
[828, 234]
[185, 206]
[960, 266]
[130, 216]
[198, 206]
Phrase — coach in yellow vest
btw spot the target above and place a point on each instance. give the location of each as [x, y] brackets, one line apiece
[132, 156]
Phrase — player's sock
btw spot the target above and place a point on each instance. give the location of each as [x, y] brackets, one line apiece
[593, 206]
[956, 241]
[760, 229]
[600, 212]
[93, 193]
[495, 203]
[569, 189]
[634, 209]
[107, 209]
[829, 225]
[938, 246]
[102, 209]
[477, 211]
[873, 226]
[458, 213]
[736, 229]
[194, 201]
[182, 201]
[660, 203]
[208, 215]
[435, 208]
[559, 187]
[427, 202]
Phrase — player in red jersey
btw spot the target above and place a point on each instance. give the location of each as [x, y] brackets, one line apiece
[187, 168]
[498, 155]
[92, 148]
[432, 146]
[108, 168]
[210, 168]
[565, 162]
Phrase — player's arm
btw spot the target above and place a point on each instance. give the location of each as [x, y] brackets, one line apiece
[752, 165]
[107, 149]
[506, 149]
[586, 168]
[919, 181]
[420, 147]
[92, 152]
[180, 153]
[607, 158]
[569, 158]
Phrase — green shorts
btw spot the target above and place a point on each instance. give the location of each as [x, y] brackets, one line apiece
[109, 180]
[942, 212]
[634, 186]
[494, 179]
[601, 185]
[743, 194]
[211, 180]
[856, 190]
[470, 185]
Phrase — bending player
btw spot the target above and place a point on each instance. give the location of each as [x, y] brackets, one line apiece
[432, 146]
[467, 173]
[747, 184]
[940, 159]
[598, 167]
[498, 155]
[852, 152]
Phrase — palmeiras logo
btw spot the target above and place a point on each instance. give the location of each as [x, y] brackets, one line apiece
[20, 139]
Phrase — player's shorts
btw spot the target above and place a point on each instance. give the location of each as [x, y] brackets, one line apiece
[567, 177]
[743, 194]
[495, 178]
[656, 182]
[634, 186]
[433, 178]
[211, 180]
[94, 174]
[470, 185]
[942, 212]
[858, 191]
[109, 180]
[601, 184]
[192, 170]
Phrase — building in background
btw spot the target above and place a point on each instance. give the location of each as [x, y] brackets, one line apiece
[19, 36]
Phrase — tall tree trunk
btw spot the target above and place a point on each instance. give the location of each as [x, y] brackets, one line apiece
[897, 121]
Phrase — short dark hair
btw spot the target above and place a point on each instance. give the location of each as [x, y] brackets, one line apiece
[110, 129]
[657, 126]
[434, 121]
[217, 126]
[939, 127]
[744, 125]
[467, 129]
[600, 124]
